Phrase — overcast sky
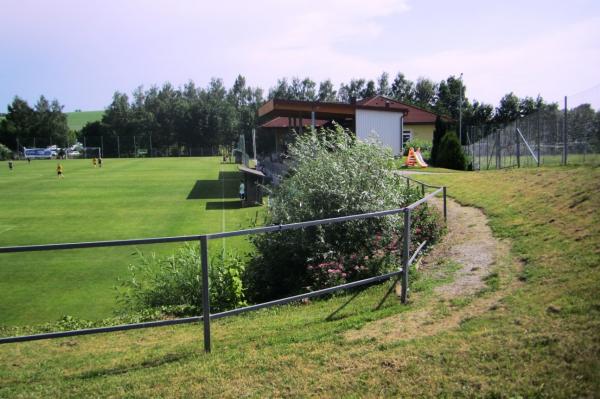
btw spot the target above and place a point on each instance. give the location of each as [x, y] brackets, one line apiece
[80, 52]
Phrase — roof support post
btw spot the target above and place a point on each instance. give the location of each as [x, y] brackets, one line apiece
[312, 118]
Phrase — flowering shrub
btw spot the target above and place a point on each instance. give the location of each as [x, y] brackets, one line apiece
[331, 174]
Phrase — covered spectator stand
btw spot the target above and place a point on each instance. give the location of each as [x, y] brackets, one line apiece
[253, 180]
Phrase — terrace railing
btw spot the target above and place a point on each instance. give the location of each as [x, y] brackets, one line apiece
[206, 317]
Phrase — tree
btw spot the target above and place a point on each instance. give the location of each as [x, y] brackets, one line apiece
[402, 89]
[369, 90]
[44, 124]
[449, 94]
[383, 85]
[424, 93]
[281, 91]
[438, 133]
[451, 154]
[354, 89]
[508, 109]
[326, 91]
[18, 125]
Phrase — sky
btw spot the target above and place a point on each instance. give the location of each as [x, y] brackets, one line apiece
[81, 52]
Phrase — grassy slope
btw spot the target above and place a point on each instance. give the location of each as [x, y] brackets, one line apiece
[77, 120]
[127, 198]
[518, 348]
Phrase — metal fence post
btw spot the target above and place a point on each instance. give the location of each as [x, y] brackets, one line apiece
[565, 147]
[445, 206]
[405, 256]
[205, 292]
[518, 144]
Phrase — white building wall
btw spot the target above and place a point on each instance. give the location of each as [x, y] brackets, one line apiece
[387, 126]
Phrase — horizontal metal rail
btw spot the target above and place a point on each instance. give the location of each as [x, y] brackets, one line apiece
[211, 236]
[194, 319]
[425, 198]
[419, 182]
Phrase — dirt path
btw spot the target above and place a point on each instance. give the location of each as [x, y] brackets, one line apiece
[468, 243]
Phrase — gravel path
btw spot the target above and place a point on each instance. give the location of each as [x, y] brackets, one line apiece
[469, 243]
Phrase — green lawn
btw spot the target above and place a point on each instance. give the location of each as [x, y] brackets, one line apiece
[77, 120]
[541, 340]
[126, 198]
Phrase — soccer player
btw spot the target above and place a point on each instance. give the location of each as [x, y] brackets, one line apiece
[99, 162]
[10, 164]
[59, 171]
[94, 160]
[242, 191]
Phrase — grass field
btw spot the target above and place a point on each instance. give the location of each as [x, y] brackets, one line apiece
[126, 198]
[77, 120]
[519, 348]
[542, 340]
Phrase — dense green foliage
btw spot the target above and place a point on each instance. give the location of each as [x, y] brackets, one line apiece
[451, 154]
[333, 174]
[174, 121]
[174, 282]
[43, 125]
[438, 133]
[5, 152]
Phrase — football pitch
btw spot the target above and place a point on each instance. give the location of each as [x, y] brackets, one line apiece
[126, 198]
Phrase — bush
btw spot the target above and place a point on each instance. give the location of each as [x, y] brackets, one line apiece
[451, 154]
[5, 152]
[331, 174]
[424, 145]
[174, 283]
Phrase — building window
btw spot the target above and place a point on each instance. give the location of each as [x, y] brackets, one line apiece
[406, 136]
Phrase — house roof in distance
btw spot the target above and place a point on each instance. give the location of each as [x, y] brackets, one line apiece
[415, 114]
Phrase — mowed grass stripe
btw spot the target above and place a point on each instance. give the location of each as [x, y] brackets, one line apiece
[126, 198]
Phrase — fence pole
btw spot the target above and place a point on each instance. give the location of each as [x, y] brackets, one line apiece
[205, 292]
[445, 206]
[518, 144]
[565, 149]
[538, 137]
[405, 256]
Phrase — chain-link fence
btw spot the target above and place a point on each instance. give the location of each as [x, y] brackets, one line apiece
[568, 134]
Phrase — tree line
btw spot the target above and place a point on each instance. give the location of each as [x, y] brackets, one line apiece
[178, 118]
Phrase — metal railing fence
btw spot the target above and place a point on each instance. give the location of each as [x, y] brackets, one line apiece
[206, 317]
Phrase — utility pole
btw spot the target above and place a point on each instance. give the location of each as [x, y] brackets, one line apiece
[460, 110]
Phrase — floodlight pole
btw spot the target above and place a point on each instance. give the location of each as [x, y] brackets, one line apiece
[460, 110]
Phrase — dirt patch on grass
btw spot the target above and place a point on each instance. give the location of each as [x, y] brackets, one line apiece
[470, 245]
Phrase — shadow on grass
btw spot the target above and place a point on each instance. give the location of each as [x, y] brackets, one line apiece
[225, 187]
[333, 316]
[218, 205]
[123, 369]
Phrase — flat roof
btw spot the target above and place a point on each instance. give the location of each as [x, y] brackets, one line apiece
[323, 110]
[254, 172]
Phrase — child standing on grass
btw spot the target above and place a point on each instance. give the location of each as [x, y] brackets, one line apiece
[10, 165]
[59, 171]
[94, 160]
[99, 162]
